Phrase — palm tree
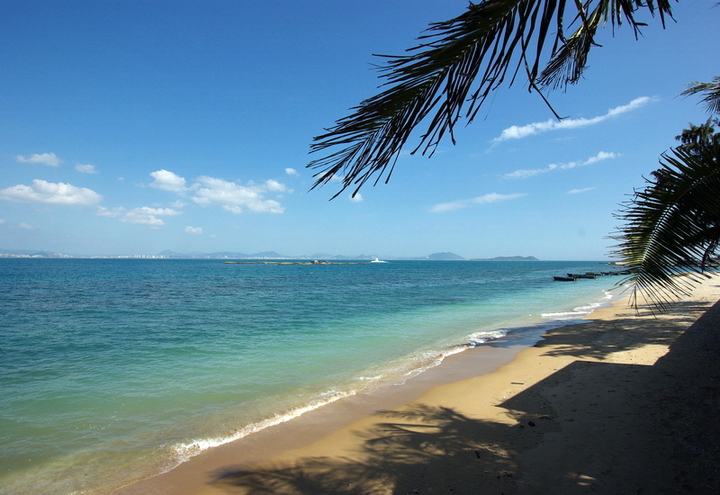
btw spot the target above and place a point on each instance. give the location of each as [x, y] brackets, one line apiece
[696, 135]
[672, 227]
[457, 64]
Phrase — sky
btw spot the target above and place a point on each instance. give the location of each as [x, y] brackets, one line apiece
[134, 127]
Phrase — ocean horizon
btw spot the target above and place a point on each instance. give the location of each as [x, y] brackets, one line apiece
[113, 370]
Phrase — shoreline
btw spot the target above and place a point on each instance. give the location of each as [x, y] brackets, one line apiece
[494, 400]
[313, 425]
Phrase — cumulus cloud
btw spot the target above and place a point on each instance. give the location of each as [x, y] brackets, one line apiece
[464, 203]
[519, 132]
[236, 198]
[193, 230]
[525, 173]
[26, 226]
[146, 210]
[49, 159]
[275, 186]
[291, 171]
[143, 215]
[50, 193]
[232, 196]
[356, 198]
[86, 169]
[168, 181]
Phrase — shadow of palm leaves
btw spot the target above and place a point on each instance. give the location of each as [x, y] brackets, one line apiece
[621, 334]
[397, 457]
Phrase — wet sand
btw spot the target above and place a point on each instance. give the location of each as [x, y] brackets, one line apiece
[624, 403]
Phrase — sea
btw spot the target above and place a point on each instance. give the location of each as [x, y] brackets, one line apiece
[113, 370]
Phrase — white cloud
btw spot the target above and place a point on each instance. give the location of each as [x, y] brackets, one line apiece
[49, 159]
[142, 219]
[146, 210]
[275, 186]
[86, 169]
[464, 203]
[636, 103]
[2, 221]
[193, 230]
[291, 171]
[168, 181]
[525, 173]
[26, 226]
[578, 191]
[233, 209]
[602, 155]
[519, 132]
[356, 198]
[50, 193]
[496, 198]
[235, 197]
[452, 205]
[143, 215]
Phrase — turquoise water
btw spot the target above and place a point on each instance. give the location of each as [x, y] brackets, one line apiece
[114, 370]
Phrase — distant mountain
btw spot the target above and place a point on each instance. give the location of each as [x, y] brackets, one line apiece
[444, 256]
[225, 255]
[326, 256]
[170, 254]
[508, 258]
[268, 255]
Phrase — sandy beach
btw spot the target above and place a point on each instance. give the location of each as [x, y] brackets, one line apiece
[625, 403]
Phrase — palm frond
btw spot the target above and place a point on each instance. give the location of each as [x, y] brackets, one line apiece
[454, 69]
[712, 93]
[672, 227]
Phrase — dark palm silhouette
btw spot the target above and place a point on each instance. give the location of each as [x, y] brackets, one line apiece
[456, 66]
[672, 226]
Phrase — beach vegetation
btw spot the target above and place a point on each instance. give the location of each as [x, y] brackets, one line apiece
[671, 231]
[456, 66]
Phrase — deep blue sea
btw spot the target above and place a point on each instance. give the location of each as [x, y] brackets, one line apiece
[112, 370]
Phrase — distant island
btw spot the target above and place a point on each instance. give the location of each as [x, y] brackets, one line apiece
[444, 256]
[508, 258]
[265, 255]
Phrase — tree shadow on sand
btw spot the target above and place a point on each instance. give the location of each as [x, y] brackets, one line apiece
[432, 450]
[623, 333]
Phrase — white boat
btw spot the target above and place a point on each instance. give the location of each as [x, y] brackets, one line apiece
[376, 260]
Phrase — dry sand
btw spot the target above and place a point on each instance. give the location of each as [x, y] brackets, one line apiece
[623, 404]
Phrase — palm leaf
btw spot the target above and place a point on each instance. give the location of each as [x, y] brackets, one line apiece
[456, 66]
[712, 93]
[672, 227]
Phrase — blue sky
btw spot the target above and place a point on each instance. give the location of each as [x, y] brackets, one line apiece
[133, 127]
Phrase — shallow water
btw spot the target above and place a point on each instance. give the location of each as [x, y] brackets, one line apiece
[114, 370]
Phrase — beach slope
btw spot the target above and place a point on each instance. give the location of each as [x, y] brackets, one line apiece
[622, 404]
